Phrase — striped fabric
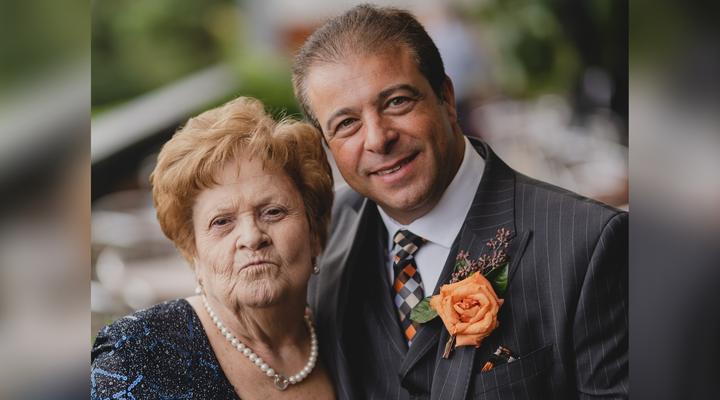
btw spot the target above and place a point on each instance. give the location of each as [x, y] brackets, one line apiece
[408, 289]
[565, 313]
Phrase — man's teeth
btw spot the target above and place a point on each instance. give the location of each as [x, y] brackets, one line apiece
[390, 171]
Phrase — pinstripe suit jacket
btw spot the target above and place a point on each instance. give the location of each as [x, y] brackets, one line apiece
[565, 310]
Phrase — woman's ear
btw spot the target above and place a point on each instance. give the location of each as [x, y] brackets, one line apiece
[198, 270]
[315, 245]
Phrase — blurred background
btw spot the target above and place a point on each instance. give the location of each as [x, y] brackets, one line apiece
[544, 82]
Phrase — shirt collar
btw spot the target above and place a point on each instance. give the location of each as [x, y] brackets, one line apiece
[444, 221]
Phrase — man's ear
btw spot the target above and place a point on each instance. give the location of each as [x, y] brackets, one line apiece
[448, 96]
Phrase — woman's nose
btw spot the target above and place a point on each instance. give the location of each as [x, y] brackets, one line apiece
[251, 235]
[378, 137]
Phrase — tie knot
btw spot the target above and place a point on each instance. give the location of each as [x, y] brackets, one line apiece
[409, 242]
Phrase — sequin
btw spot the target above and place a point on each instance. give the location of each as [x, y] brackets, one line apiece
[158, 353]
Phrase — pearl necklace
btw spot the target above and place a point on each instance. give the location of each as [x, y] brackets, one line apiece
[281, 381]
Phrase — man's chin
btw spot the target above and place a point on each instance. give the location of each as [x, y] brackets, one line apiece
[404, 204]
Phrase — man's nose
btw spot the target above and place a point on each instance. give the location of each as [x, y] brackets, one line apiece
[251, 235]
[379, 137]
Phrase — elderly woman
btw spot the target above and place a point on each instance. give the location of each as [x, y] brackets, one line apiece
[247, 203]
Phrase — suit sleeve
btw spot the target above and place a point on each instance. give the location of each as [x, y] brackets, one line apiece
[600, 326]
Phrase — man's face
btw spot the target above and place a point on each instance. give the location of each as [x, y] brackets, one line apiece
[393, 140]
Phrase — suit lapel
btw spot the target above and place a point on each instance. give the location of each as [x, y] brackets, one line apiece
[434, 335]
[362, 255]
[492, 209]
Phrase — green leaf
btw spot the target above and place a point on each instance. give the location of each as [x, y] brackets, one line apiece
[461, 263]
[498, 277]
[422, 312]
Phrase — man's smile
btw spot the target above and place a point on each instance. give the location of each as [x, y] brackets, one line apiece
[391, 169]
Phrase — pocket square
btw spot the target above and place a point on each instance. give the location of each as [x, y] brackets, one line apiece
[501, 356]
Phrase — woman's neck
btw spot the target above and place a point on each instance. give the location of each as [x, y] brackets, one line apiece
[272, 330]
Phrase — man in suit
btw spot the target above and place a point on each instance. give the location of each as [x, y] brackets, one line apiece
[373, 82]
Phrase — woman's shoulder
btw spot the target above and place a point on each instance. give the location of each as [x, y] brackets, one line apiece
[157, 352]
[154, 322]
[167, 311]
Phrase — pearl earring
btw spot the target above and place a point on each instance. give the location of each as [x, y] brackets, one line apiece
[315, 268]
[199, 288]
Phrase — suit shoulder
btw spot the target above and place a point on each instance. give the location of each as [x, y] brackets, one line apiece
[556, 194]
[346, 208]
[347, 198]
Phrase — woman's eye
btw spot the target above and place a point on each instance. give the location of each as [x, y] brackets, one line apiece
[273, 213]
[220, 221]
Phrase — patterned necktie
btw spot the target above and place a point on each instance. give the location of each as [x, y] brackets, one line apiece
[408, 286]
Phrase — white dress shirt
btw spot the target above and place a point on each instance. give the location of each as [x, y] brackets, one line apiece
[442, 224]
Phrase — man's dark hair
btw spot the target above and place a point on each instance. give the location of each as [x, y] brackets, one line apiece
[366, 29]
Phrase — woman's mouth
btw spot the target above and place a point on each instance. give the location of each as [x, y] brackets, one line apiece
[255, 264]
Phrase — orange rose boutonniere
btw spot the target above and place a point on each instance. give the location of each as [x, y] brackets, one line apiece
[468, 309]
[469, 304]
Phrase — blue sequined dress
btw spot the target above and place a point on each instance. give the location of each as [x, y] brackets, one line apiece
[158, 353]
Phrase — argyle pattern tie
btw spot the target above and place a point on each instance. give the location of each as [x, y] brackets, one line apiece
[408, 287]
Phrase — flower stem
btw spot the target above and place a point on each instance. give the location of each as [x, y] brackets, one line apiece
[449, 346]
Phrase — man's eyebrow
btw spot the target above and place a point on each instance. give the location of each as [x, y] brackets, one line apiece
[380, 97]
[403, 86]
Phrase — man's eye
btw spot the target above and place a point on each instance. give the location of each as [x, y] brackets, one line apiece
[398, 101]
[346, 126]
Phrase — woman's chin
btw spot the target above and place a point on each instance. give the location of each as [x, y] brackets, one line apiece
[262, 293]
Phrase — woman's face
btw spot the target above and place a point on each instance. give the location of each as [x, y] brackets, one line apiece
[254, 246]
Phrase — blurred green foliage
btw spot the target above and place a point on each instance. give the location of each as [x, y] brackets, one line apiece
[264, 74]
[545, 46]
[140, 45]
[37, 35]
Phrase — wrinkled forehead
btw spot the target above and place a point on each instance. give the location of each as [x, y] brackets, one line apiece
[351, 55]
